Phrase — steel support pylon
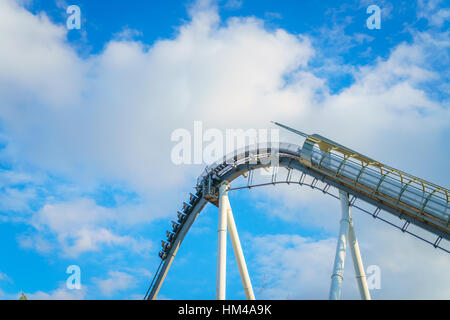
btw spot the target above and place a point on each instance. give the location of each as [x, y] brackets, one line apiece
[226, 221]
[347, 235]
[222, 242]
[338, 269]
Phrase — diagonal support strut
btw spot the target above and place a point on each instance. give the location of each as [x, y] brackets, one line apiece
[239, 254]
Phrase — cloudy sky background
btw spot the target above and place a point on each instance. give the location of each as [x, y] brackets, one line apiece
[86, 117]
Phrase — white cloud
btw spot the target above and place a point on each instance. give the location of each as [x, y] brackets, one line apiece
[117, 281]
[4, 277]
[233, 4]
[433, 11]
[36, 61]
[294, 267]
[38, 242]
[94, 138]
[16, 200]
[410, 268]
[61, 293]
[127, 34]
[80, 226]
[65, 217]
[230, 75]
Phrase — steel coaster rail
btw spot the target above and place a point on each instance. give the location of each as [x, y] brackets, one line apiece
[412, 199]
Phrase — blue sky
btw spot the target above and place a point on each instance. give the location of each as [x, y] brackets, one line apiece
[86, 117]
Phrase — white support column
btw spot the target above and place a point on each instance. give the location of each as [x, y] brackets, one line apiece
[222, 242]
[239, 254]
[357, 262]
[338, 269]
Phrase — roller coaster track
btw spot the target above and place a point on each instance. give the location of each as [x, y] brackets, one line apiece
[323, 165]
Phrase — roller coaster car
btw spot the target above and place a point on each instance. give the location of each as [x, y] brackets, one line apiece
[175, 227]
[181, 217]
[170, 236]
[162, 255]
[165, 245]
[192, 197]
[186, 206]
